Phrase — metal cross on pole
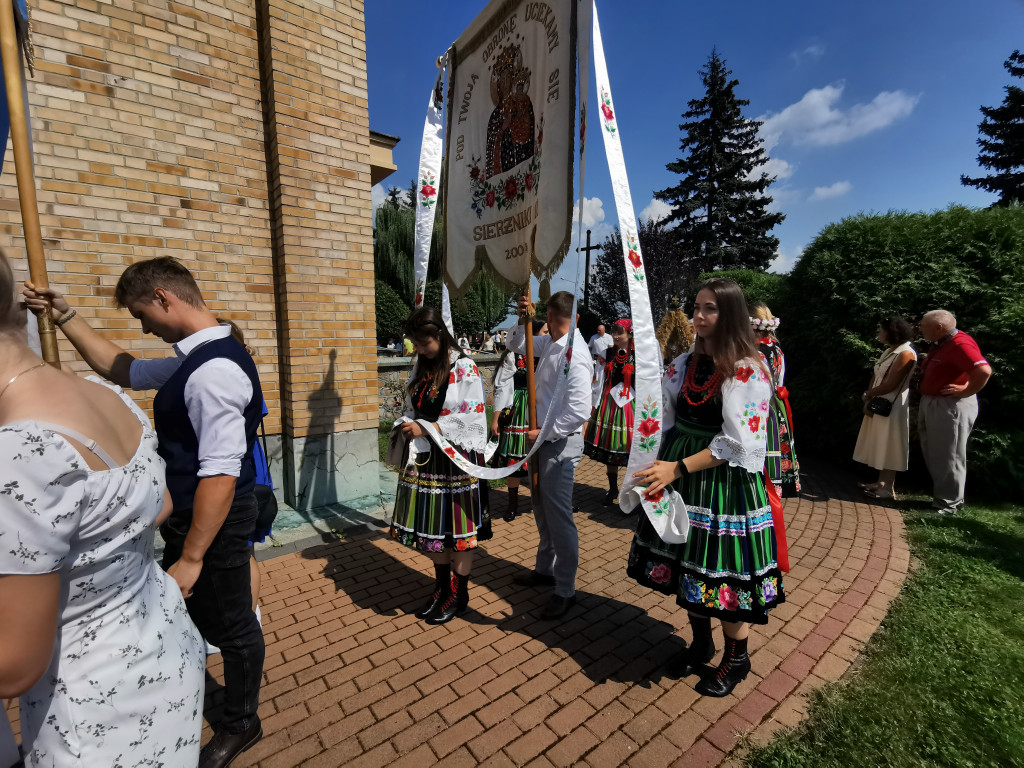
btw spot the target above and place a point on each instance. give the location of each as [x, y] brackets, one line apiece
[586, 274]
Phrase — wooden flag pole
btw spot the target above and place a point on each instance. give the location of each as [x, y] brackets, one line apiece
[13, 79]
[531, 390]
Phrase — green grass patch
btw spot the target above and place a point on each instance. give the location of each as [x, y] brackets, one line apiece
[942, 681]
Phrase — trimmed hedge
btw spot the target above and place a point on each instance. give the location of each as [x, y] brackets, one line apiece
[970, 262]
[392, 313]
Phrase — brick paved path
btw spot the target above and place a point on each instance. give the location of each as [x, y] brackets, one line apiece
[352, 679]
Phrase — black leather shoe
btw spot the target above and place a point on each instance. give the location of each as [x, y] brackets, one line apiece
[452, 607]
[436, 599]
[721, 684]
[557, 607]
[224, 747]
[690, 660]
[534, 579]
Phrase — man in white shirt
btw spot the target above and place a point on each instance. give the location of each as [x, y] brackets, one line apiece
[558, 553]
[464, 342]
[207, 409]
[599, 343]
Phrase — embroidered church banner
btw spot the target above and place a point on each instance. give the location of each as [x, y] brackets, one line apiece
[508, 161]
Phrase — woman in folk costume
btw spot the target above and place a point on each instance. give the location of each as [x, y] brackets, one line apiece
[440, 510]
[511, 419]
[715, 407]
[782, 466]
[610, 430]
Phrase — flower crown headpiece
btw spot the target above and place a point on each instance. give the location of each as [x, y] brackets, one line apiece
[764, 325]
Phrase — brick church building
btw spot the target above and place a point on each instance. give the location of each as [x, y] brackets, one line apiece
[235, 137]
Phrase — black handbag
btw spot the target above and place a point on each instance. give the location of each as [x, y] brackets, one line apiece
[504, 419]
[880, 406]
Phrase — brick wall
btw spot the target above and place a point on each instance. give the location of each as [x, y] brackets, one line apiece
[149, 124]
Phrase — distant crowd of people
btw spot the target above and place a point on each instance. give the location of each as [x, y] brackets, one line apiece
[107, 649]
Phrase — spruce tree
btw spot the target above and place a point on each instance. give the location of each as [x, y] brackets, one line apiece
[1002, 141]
[720, 204]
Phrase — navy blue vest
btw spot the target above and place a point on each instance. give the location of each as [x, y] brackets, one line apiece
[178, 443]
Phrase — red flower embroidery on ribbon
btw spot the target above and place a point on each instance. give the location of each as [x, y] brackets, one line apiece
[529, 181]
[489, 199]
[607, 112]
[754, 423]
[428, 191]
[649, 427]
[655, 497]
[634, 258]
[419, 299]
[540, 137]
[474, 172]
[521, 363]
[450, 451]
[743, 374]
[511, 188]
[568, 355]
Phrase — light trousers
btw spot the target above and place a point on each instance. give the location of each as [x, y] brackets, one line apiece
[944, 425]
[558, 553]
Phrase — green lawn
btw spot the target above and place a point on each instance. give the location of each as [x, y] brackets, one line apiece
[942, 682]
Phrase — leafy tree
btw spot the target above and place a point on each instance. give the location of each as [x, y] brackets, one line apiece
[757, 286]
[863, 268]
[667, 276]
[393, 240]
[1002, 141]
[392, 312]
[720, 203]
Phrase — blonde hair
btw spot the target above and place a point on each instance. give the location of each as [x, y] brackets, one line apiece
[9, 305]
[675, 334]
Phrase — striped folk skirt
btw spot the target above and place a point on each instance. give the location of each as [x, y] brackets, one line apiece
[783, 468]
[512, 444]
[610, 433]
[438, 507]
[727, 568]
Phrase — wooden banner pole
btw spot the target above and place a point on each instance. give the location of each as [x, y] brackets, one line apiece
[14, 80]
[531, 390]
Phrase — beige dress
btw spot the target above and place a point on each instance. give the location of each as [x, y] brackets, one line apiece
[884, 441]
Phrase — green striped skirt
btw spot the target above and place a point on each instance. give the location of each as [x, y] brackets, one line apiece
[438, 507]
[727, 568]
[783, 468]
[512, 444]
[609, 433]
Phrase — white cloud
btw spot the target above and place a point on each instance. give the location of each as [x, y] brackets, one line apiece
[656, 210]
[815, 51]
[815, 120]
[838, 189]
[593, 212]
[774, 166]
[783, 198]
[378, 194]
[785, 261]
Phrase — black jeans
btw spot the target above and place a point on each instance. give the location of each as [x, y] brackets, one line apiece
[221, 607]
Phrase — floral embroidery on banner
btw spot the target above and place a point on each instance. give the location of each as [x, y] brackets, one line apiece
[607, 112]
[649, 425]
[635, 259]
[510, 191]
[428, 190]
[418, 301]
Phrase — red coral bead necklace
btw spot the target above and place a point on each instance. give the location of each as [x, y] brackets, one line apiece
[708, 388]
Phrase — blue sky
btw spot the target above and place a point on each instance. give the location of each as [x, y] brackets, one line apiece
[869, 107]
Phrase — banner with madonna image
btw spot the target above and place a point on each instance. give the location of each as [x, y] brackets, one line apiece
[508, 161]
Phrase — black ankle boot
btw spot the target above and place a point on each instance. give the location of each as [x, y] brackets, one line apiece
[455, 603]
[442, 584]
[731, 672]
[609, 498]
[513, 506]
[700, 652]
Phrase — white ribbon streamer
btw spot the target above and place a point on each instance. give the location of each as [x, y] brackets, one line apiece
[666, 512]
[428, 184]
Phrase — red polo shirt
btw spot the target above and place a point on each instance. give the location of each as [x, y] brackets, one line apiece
[950, 363]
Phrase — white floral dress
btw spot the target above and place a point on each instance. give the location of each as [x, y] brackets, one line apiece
[125, 683]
